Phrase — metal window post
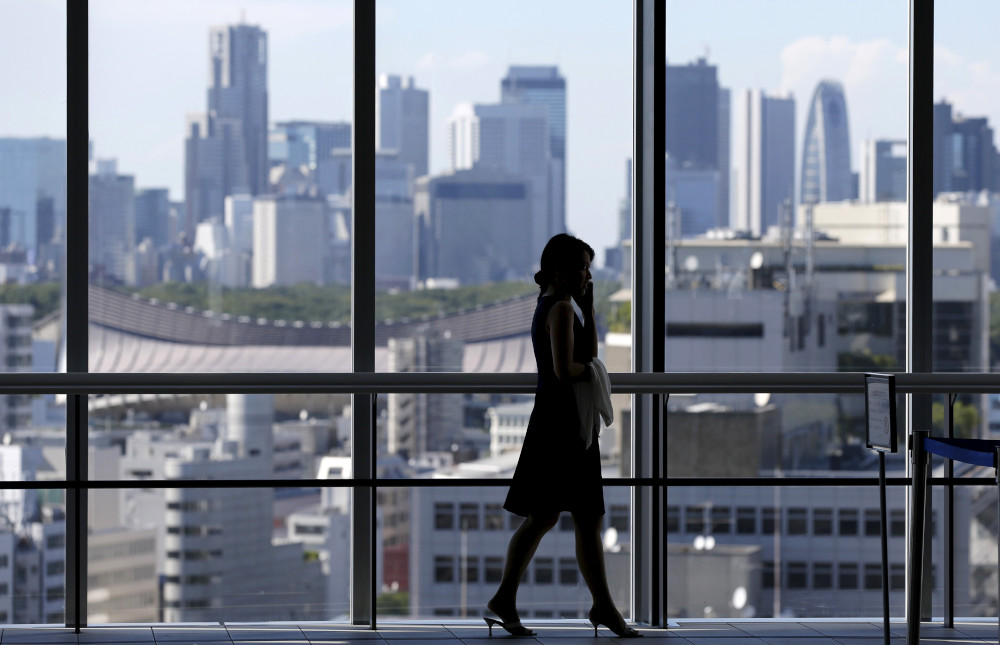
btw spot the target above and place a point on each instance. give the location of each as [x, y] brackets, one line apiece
[648, 297]
[75, 307]
[919, 250]
[363, 314]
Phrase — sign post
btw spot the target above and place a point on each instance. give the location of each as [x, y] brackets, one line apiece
[880, 435]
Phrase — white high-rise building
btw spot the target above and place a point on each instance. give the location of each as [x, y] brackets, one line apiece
[291, 240]
[401, 121]
[826, 148]
[763, 160]
[112, 222]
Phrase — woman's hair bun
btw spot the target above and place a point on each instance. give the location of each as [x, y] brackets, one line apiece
[540, 279]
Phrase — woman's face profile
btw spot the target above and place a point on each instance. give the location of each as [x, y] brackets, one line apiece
[573, 280]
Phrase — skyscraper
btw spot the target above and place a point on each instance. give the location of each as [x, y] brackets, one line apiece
[401, 121]
[883, 177]
[238, 90]
[542, 85]
[763, 159]
[826, 149]
[112, 223]
[965, 155]
[509, 138]
[33, 189]
[226, 148]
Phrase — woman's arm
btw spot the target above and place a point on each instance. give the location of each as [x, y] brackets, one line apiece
[560, 326]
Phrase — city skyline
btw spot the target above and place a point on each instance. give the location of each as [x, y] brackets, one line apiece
[143, 126]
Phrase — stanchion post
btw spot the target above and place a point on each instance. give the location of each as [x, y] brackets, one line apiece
[885, 547]
[996, 470]
[915, 561]
[949, 531]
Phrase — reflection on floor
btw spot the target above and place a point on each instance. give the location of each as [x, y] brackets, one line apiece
[783, 632]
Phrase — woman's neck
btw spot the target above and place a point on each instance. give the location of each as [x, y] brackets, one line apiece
[551, 291]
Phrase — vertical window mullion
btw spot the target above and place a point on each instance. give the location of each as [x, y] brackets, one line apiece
[75, 306]
[919, 250]
[648, 301]
[363, 584]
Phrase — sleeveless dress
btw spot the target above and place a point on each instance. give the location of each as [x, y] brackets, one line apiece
[555, 472]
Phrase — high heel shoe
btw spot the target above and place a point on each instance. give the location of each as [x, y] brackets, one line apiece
[620, 629]
[514, 629]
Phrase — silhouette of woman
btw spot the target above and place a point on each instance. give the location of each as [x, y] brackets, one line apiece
[555, 471]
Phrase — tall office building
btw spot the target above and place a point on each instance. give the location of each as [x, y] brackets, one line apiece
[763, 160]
[291, 240]
[32, 189]
[474, 226]
[226, 148]
[542, 85]
[152, 216]
[401, 121]
[965, 154]
[826, 149]
[307, 143]
[511, 138]
[697, 127]
[112, 223]
[883, 177]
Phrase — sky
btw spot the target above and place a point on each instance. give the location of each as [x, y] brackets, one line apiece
[149, 69]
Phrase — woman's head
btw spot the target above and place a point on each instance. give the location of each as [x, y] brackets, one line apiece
[563, 260]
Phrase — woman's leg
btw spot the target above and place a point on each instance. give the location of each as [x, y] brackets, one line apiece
[522, 547]
[590, 557]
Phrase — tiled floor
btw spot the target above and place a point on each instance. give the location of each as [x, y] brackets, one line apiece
[829, 632]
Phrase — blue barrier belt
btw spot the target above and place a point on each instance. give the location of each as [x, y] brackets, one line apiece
[979, 452]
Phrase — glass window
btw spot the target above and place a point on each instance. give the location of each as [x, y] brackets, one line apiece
[493, 569]
[767, 574]
[444, 568]
[493, 517]
[471, 569]
[673, 519]
[848, 520]
[566, 522]
[873, 522]
[822, 521]
[619, 517]
[798, 575]
[746, 520]
[873, 576]
[543, 571]
[568, 571]
[798, 523]
[897, 523]
[847, 575]
[721, 519]
[469, 517]
[897, 576]
[768, 520]
[444, 516]
[822, 575]
[694, 519]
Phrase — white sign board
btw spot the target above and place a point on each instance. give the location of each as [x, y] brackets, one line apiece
[880, 412]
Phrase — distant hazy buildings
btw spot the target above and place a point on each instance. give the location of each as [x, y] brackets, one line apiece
[112, 223]
[965, 154]
[826, 153]
[401, 121]
[511, 138]
[543, 85]
[226, 148]
[883, 175]
[32, 190]
[763, 159]
[306, 143]
[290, 240]
[474, 226]
[692, 199]
[697, 130]
[152, 216]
